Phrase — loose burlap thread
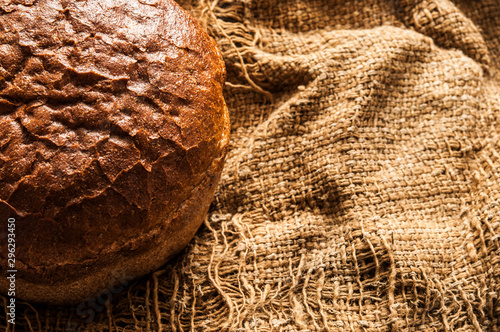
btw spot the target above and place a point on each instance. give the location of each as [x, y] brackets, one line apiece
[362, 188]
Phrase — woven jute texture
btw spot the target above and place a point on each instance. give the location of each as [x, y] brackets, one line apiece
[362, 189]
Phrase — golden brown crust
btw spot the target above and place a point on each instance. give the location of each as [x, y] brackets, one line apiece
[112, 122]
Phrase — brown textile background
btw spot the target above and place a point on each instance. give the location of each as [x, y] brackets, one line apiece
[362, 190]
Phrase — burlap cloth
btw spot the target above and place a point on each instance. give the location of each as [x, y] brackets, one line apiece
[362, 189]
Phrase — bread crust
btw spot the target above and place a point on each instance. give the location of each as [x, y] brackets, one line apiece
[113, 134]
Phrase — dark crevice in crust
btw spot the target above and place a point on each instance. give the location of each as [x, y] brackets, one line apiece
[29, 137]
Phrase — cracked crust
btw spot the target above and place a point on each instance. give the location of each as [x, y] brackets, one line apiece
[113, 133]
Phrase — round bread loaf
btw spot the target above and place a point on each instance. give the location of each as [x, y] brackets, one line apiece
[113, 134]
